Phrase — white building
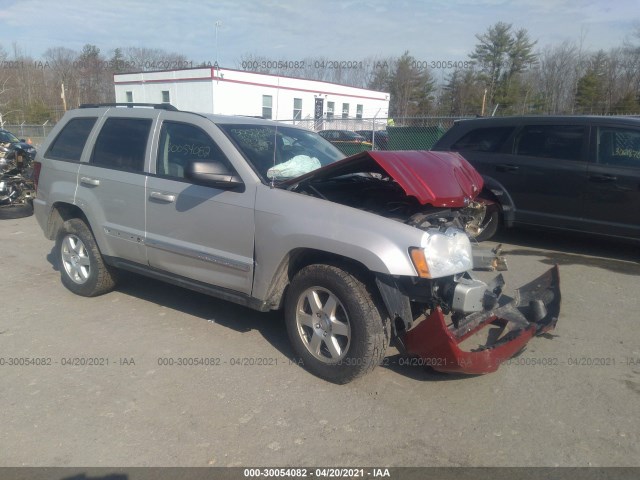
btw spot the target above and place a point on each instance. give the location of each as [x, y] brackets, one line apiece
[234, 92]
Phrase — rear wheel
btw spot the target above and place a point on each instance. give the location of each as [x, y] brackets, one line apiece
[334, 323]
[82, 268]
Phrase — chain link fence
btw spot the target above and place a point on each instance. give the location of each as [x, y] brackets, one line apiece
[353, 135]
[34, 134]
[350, 135]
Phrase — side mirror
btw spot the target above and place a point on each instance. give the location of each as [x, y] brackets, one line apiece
[212, 174]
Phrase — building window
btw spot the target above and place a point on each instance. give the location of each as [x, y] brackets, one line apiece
[297, 108]
[358, 111]
[330, 109]
[165, 96]
[267, 106]
[129, 97]
[345, 110]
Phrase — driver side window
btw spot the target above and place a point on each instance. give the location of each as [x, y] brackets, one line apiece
[181, 143]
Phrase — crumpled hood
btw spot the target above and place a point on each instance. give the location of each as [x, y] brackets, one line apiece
[441, 179]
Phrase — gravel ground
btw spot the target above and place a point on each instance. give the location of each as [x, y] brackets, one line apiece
[569, 400]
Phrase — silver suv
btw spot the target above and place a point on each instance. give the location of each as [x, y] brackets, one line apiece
[356, 251]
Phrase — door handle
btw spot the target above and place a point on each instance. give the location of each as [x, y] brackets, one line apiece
[163, 197]
[94, 182]
[603, 178]
[503, 167]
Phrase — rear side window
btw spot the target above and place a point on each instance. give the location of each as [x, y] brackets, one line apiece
[483, 139]
[619, 147]
[551, 141]
[70, 142]
[121, 144]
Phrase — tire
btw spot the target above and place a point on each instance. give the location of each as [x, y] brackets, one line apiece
[334, 323]
[82, 268]
[18, 210]
[489, 225]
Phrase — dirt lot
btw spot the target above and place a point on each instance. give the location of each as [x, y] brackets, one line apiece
[569, 400]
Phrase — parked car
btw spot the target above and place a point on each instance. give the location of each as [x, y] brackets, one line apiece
[15, 150]
[346, 141]
[563, 172]
[380, 140]
[273, 217]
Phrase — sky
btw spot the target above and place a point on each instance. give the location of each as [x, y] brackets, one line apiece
[434, 30]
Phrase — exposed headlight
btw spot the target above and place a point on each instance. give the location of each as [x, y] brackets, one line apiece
[442, 254]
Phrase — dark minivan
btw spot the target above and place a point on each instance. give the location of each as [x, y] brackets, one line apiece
[578, 173]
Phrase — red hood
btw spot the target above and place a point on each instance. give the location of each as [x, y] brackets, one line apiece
[441, 179]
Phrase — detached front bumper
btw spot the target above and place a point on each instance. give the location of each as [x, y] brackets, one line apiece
[479, 342]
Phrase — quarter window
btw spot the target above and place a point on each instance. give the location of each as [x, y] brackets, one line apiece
[122, 144]
[70, 142]
[267, 106]
[181, 143]
[551, 141]
[620, 147]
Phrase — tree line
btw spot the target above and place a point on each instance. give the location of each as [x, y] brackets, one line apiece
[506, 73]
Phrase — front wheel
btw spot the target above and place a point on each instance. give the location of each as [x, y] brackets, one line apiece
[484, 223]
[82, 268]
[334, 323]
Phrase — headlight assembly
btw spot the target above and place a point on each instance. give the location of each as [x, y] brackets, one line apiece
[442, 254]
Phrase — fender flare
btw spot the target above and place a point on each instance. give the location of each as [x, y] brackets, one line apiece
[500, 194]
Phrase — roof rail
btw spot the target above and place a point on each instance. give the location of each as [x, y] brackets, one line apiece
[159, 106]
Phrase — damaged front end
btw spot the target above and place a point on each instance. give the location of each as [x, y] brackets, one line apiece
[471, 328]
[445, 315]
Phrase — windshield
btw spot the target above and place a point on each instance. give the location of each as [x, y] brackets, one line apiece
[280, 153]
[8, 137]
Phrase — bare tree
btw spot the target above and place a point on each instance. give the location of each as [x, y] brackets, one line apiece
[63, 64]
[150, 59]
[555, 77]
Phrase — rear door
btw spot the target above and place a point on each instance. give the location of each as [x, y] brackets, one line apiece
[613, 189]
[198, 232]
[546, 174]
[111, 186]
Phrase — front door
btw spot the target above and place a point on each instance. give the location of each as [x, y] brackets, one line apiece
[193, 231]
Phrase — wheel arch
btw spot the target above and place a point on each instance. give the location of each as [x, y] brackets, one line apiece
[60, 213]
[297, 259]
[495, 191]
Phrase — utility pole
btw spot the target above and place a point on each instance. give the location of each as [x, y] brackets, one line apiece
[484, 100]
[64, 98]
[218, 25]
